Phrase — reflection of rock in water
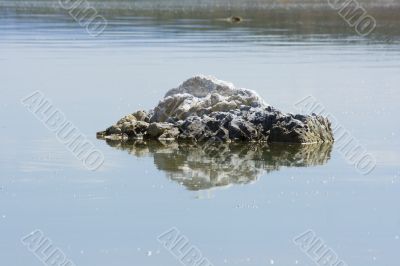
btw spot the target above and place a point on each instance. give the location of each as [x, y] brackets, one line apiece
[203, 166]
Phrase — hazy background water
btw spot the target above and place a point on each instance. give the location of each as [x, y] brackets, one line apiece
[285, 50]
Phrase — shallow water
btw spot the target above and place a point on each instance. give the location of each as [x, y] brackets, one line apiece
[255, 200]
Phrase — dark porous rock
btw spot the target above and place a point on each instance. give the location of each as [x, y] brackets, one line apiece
[169, 134]
[141, 116]
[239, 129]
[206, 109]
[125, 130]
[155, 129]
[113, 130]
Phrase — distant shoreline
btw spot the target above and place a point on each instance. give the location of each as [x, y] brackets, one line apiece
[306, 18]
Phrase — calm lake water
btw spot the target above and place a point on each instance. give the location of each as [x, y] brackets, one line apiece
[239, 205]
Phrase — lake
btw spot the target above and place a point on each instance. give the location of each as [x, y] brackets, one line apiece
[237, 204]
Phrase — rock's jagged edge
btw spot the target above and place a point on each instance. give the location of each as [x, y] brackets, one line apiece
[206, 109]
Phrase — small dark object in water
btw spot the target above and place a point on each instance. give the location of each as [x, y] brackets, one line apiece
[235, 19]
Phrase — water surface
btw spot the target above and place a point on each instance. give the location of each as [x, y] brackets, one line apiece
[113, 216]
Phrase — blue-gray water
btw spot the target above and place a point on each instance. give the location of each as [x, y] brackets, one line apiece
[113, 216]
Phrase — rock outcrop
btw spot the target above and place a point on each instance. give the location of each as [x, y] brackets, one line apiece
[206, 109]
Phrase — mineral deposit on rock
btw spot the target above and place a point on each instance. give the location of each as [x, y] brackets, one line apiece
[204, 108]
